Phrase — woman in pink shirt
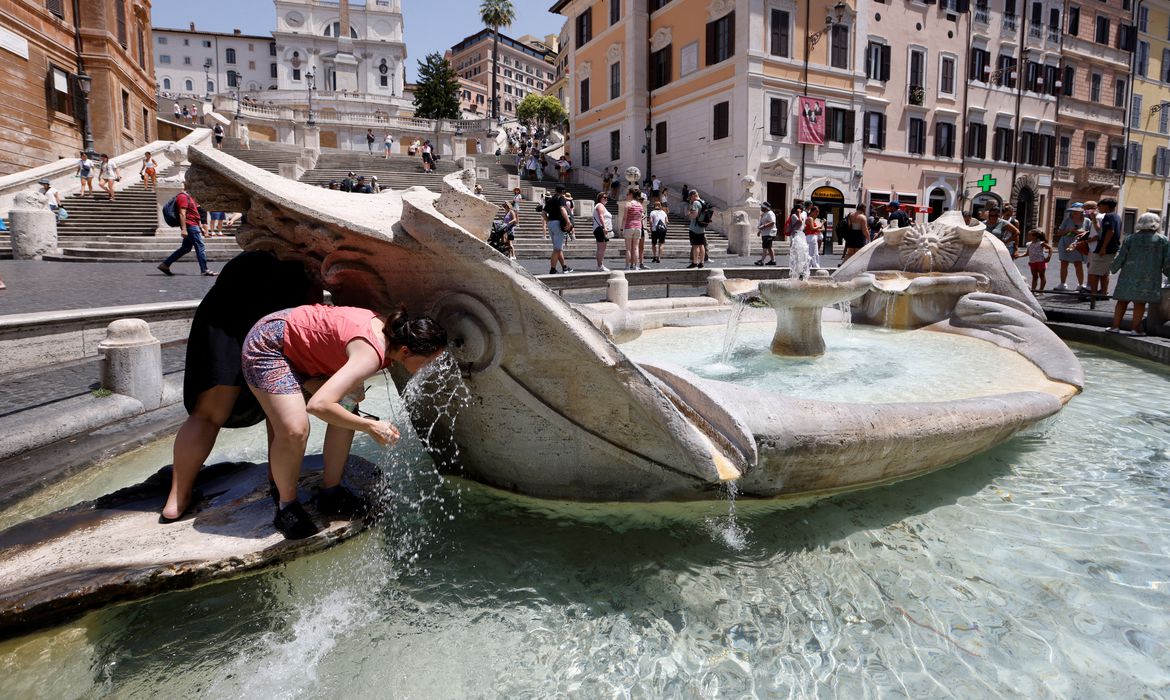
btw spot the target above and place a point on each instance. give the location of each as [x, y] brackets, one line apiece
[343, 346]
[632, 226]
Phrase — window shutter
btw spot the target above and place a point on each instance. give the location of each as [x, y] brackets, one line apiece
[730, 19]
[57, 7]
[849, 124]
[711, 43]
[882, 131]
[775, 48]
[865, 131]
[885, 69]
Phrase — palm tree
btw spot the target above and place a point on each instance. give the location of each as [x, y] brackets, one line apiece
[496, 14]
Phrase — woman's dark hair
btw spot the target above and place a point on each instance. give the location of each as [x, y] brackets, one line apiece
[421, 336]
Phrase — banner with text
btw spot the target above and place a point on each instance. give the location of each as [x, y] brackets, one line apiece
[810, 121]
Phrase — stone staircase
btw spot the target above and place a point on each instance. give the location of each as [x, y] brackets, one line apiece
[143, 249]
[134, 212]
[263, 154]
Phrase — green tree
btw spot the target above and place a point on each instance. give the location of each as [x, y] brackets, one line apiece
[437, 94]
[496, 14]
[541, 111]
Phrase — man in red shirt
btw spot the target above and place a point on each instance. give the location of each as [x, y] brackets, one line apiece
[192, 232]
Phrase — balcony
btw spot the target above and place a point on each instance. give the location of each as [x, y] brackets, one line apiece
[1079, 47]
[1092, 112]
[1096, 177]
[983, 15]
[1009, 23]
[1035, 32]
[1064, 174]
[1053, 35]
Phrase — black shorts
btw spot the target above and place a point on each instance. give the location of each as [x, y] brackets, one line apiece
[428, 158]
[657, 238]
[599, 235]
[854, 239]
[698, 238]
[768, 242]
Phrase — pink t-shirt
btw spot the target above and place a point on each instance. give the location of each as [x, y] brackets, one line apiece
[316, 335]
[633, 215]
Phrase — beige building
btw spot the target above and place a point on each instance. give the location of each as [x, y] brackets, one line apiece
[51, 88]
[526, 66]
[1147, 185]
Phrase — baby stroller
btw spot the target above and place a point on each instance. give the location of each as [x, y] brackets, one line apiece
[500, 235]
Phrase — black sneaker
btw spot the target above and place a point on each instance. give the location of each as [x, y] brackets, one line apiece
[770, 262]
[567, 270]
[341, 502]
[692, 265]
[700, 266]
[552, 271]
[294, 523]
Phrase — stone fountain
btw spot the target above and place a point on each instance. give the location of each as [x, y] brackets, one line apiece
[799, 305]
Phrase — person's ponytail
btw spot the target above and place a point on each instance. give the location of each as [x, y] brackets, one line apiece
[421, 336]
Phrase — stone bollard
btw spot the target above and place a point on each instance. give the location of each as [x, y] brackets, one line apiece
[168, 189]
[617, 289]
[739, 239]
[34, 227]
[715, 289]
[133, 362]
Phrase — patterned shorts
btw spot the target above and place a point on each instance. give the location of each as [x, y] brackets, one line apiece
[264, 364]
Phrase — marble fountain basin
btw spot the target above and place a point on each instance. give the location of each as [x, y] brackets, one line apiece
[901, 299]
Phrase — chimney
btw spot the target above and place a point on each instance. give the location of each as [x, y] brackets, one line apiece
[192, 26]
[236, 32]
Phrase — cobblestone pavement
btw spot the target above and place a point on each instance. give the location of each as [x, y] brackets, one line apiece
[65, 382]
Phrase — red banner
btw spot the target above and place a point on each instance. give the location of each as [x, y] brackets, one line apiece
[810, 121]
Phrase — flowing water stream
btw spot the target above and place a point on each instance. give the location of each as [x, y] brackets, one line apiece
[1039, 569]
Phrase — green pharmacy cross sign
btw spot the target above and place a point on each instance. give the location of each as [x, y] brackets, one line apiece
[986, 183]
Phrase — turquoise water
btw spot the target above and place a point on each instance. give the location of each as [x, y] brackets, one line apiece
[1039, 569]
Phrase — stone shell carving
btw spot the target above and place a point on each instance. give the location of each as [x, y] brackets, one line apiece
[661, 39]
[585, 70]
[718, 8]
[614, 53]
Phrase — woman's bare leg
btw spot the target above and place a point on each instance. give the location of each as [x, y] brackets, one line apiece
[290, 435]
[1119, 313]
[338, 442]
[1139, 312]
[194, 442]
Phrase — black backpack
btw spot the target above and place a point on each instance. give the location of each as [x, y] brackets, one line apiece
[170, 212]
[706, 213]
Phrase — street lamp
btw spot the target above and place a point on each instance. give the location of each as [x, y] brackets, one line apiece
[309, 83]
[207, 80]
[237, 103]
[648, 131]
[84, 85]
[836, 17]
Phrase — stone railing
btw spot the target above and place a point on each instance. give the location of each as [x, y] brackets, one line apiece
[333, 117]
[1097, 177]
[1084, 47]
[1092, 111]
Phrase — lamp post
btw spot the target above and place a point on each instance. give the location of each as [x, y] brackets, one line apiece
[648, 131]
[311, 86]
[237, 104]
[835, 15]
[831, 20]
[207, 80]
[84, 85]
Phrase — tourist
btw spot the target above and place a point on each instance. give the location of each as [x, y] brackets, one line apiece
[857, 233]
[614, 186]
[814, 232]
[215, 223]
[245, 136]
[218, 132]
[511, 221]
[191, 229]
[1006, 233]
[895, 217]
[1039, 253]
[85, 168]
[541, 166]
[602, 229]
[350, 182]
[375, 188]
[412, 149]
[695, 230]
[658, 231]
[51, 194]
[347, 345]
[533, 164]
[606, 178]
[797, 246]
[428, 156]
[559, 222]
[664, 200]
[479, 190]
[388, 145]
[335, 185]
[766, 230]
[186, 114]
[632, 226]
[177, 112]
[517, 197]
[645, 201]
[1108, 243]
[655, 187]
[108, 174]
[1009, 215]
[361, 186]
[149, 171]
[1071, 250]
[370, 139]
[1142, 259]
[253, 285]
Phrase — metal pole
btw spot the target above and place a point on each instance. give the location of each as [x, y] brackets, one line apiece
[84, 82]
[309, 83]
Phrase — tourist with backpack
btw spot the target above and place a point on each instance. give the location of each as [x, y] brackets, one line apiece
[183, 211]
[85, 168]
[219, 134]
[658, 228]
[767, 233]
[370, 139]
[602, 229]
[700, 214]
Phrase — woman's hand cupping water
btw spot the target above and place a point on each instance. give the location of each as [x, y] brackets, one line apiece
[384, 433]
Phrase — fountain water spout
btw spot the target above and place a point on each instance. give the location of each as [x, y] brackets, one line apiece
[799, 304]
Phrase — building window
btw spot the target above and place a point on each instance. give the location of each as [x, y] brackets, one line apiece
[658, 4]
[615, 80]
[188, 85]
[838, 125]
[1143, 18]
[659, 138]
[186, 60]
[916, 143]
[778, 117]
[615, 11]
[162, 40]
[1065, 149]
[210, 87]
[1004, 147]
[917, 71]
[1070, 74]
[585, 154]
[615, 145]
[944, 139]
[1051, 78]
[1102, 35]
[164, 59]
[383, 81]
[1142, 59]
[721, 121]
[1095, 87]
[146, 125]
[781, 34]
[980, 64]
[126, 110]
[721, 39]
[296, 74]
[660, 67]
[1029, 148]
[166, 83]
[1116, 157]
[584, 27]
[584, 101]
[877, 61]
[1091, 154]
[1047, 150]
[60, 91]
[120, 20]
[1135, 112]
[206, 44]
[272, 71]
[229, 56]
[839, 46]
[272, 49]
[1164, 121]
[875, 130]
[1006, 66]
[976, 140]
[141, 47]
[233, 78]
[1074, 20]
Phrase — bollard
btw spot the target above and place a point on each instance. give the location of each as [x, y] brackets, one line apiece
[739, 239]
[34, 227]
[617, 289]
[133, 362]
[715, 289]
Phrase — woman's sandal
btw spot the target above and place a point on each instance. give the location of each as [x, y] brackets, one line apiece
[196, 496]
